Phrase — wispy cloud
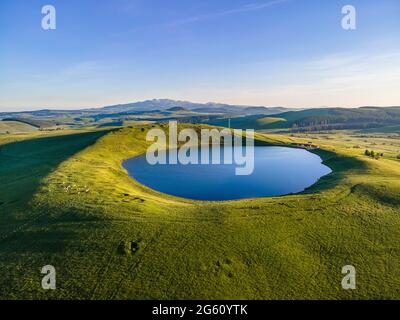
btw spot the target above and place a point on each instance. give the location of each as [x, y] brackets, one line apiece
[204, 17]
[87, 69]
[245, 8]
[343, 79]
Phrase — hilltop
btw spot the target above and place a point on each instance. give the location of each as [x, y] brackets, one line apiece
[241, 117]
[318, 119]
[150, 105]
[156, 110]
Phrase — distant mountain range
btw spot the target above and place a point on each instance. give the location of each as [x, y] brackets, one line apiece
[211, 107]
[244, 117]
[153, 105]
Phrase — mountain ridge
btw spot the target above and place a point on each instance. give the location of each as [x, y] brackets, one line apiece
[155, 104]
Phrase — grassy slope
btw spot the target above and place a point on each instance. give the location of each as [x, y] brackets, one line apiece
[278, 121]
[38, 123]
[256, 122]
[378, 117]
[384, 130]
[287, 247]
[15, 127]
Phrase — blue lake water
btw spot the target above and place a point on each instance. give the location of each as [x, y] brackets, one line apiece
[277, 171]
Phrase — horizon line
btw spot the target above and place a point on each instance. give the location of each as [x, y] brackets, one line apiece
[81, 108]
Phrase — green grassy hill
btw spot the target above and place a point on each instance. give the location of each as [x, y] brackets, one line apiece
[67, 201]
[260, 122]
[38, 123]
[256, 122]
[319, 119]
[8, 127]
[384, 130]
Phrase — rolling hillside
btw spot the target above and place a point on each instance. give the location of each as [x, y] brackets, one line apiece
[37, 123]
[256, 122]
[319, 119]
[67, 201]
[147, 106]
[9, 127]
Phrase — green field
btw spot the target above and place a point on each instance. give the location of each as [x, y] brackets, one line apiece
[9, 127]
[66, 200]
[256, 122]
[368, 119]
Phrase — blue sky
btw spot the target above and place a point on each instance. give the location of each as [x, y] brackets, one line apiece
[290, 53]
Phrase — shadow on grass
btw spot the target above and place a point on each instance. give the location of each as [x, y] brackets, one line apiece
[24, 164]
[341, 166]
[387, 195]
[39, 239]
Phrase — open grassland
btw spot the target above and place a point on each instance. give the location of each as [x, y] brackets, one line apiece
[66, 200]
[9, 127]
[356, 142]
[256, 122]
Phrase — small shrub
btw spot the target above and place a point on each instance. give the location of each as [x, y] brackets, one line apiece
[373, 154]
[128, 247]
